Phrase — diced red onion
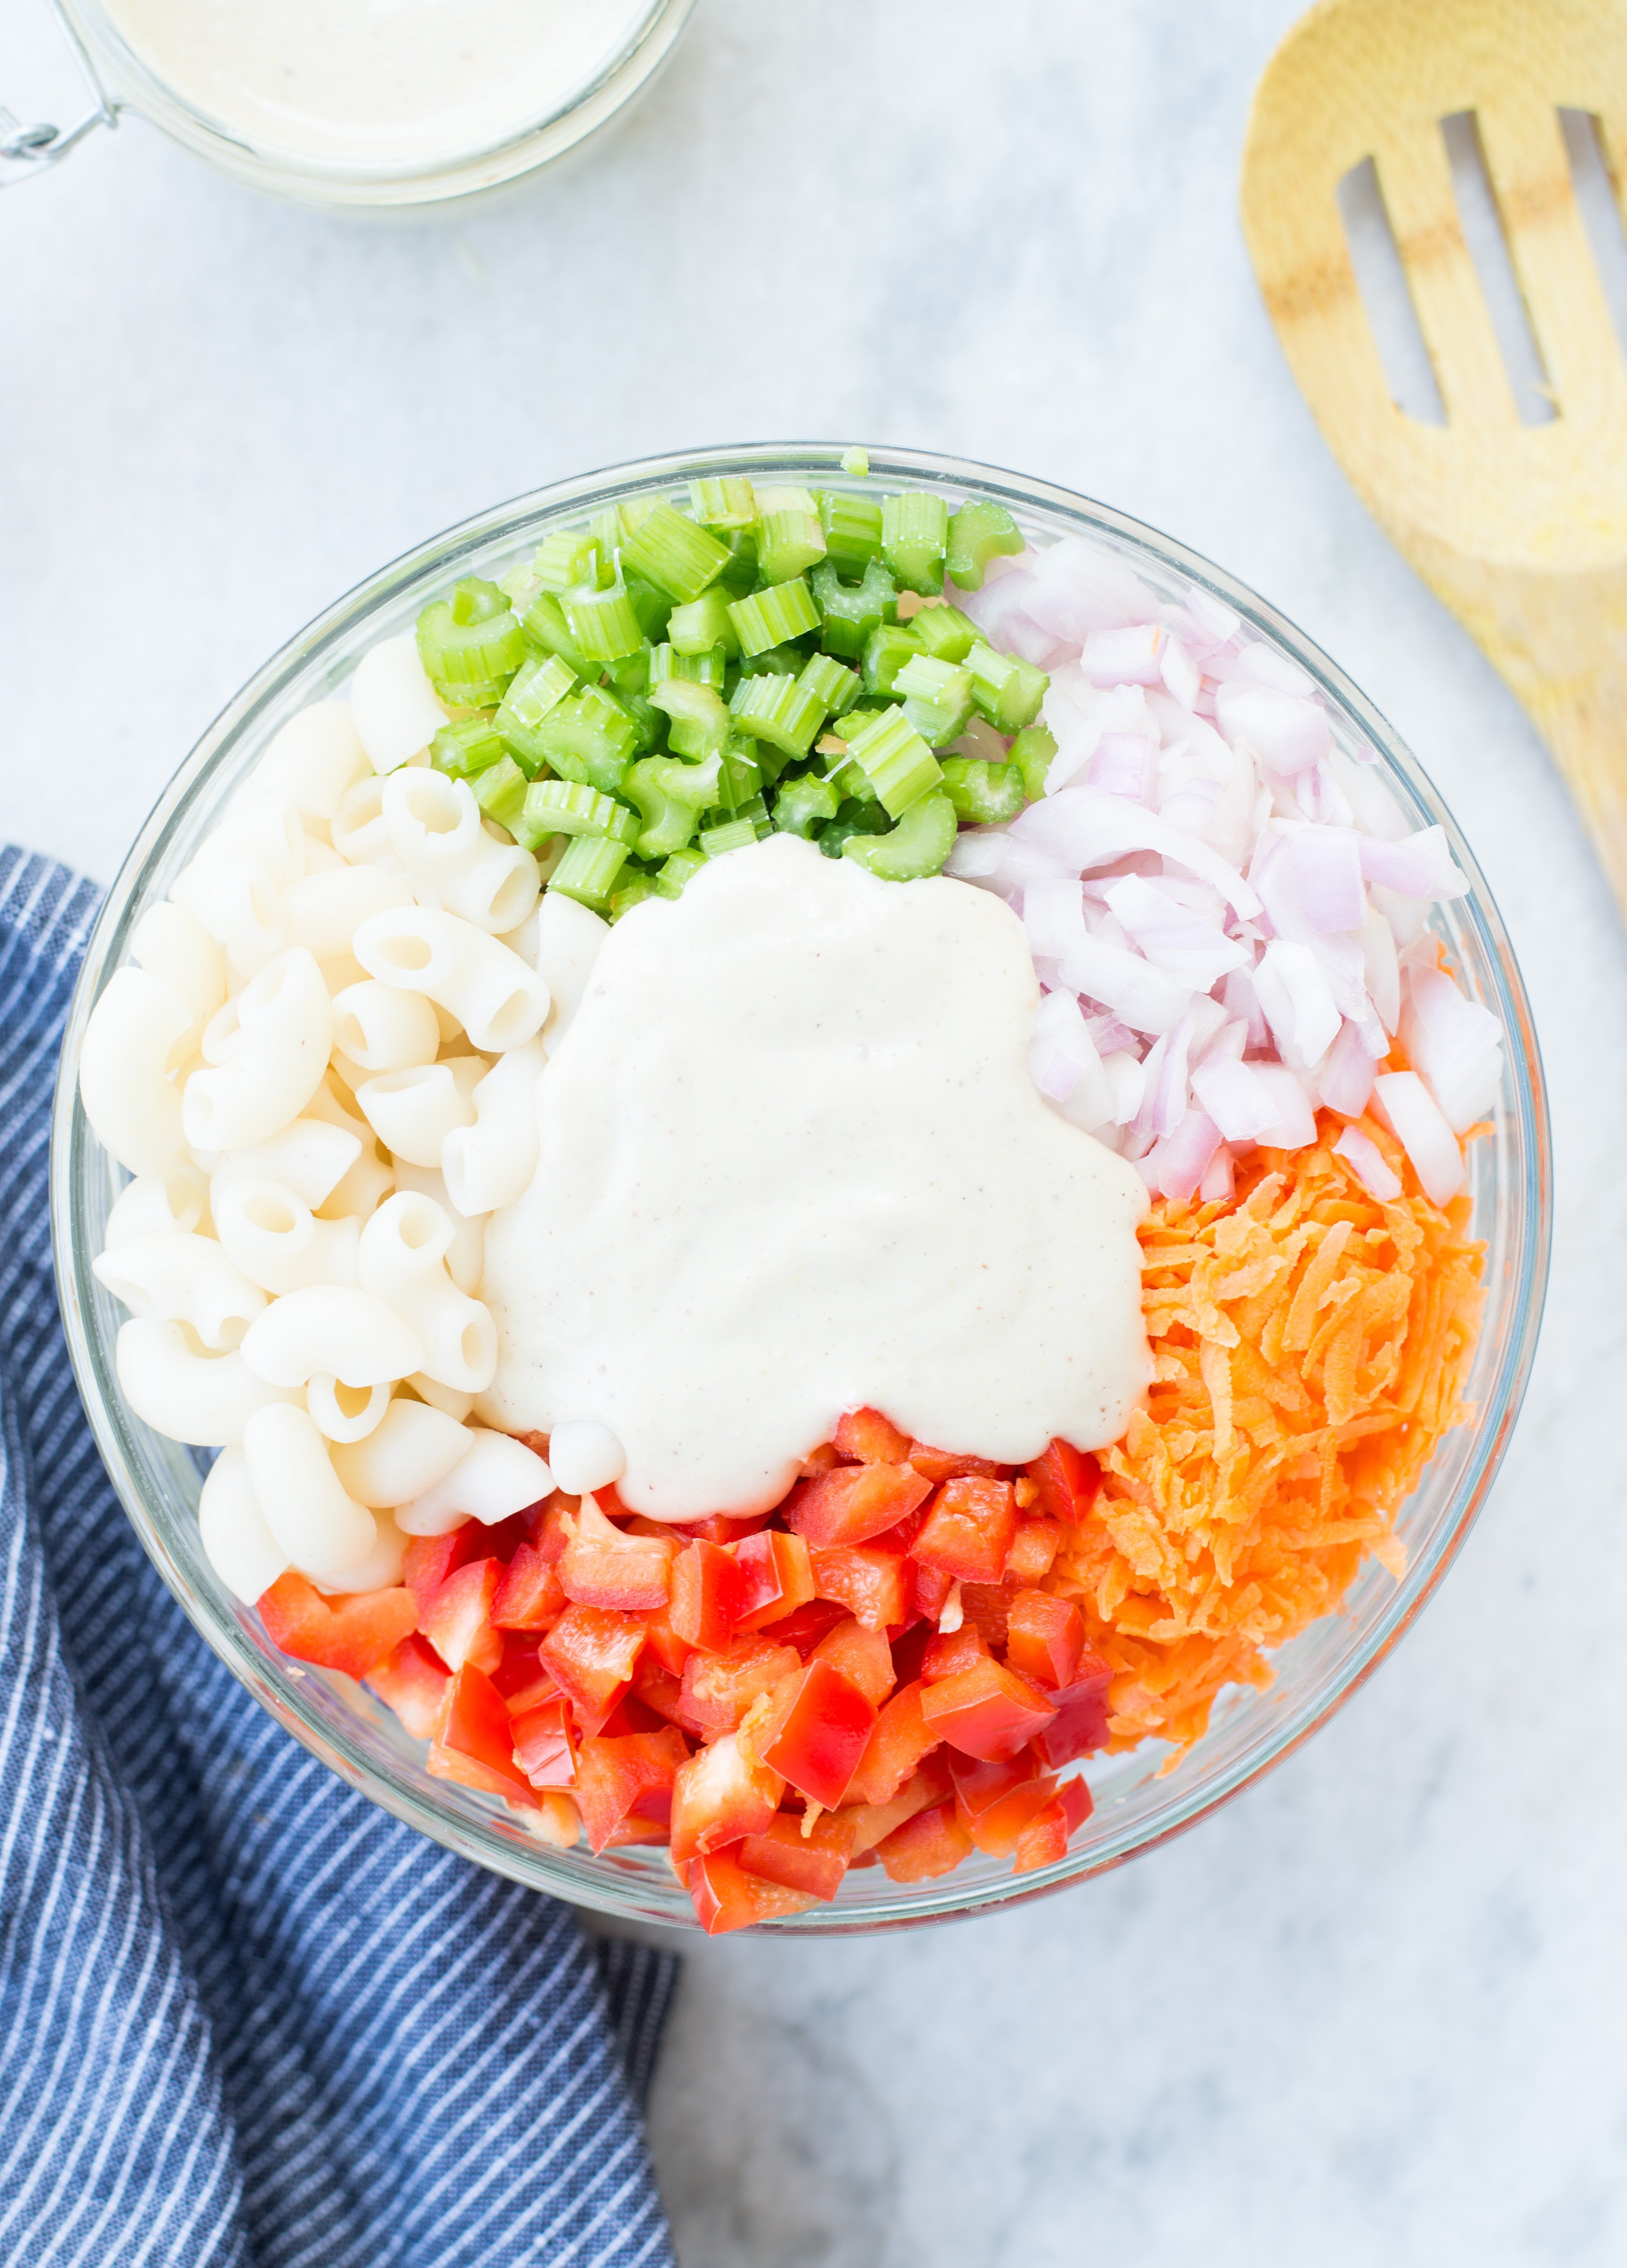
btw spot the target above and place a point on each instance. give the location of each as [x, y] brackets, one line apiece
[1294, 1126]
[1285, 730]
[1381, 969]
[1368, 1161]
[1310, 882]
[1413, 1116]
[1417, 866]
[1128, 1079]
[1180, 673]
[1347, 1076]
[1193, 951]
[1127, 657]
[1179, 1161]
[1236, 1098]
[1124, 763]
[1146, 998]
[1297, 1003]
[1078, 588]
[1219, 1182]
[1082, 827]
[1455, 1045]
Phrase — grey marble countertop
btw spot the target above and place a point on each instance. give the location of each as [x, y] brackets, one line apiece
[1371, 2013]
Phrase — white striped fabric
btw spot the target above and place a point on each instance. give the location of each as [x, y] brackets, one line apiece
[246, 2019]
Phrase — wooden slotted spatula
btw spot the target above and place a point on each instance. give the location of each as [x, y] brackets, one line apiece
[1521, 530]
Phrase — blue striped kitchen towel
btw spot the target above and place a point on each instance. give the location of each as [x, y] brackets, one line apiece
[246, 2019]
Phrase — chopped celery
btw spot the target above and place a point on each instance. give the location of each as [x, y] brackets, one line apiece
[674, 553]
[740, 778]
[545, 624]
[945, 632]
[557, 807]
[1006, 689]
[983, 794]
[589, 870]
[937, 698]
[726, 503]
[789, 541]
[535, 691]
[977, 534]
[500, 792]
[603, 622]
[776, 709]
[741, 573]
[886, 650]
[917, 846]
[669, 797]
[851, 784]
[851, 819]
[914, 529]
[735, 834]
[613, 528]
[775, 661]
[825, 681]
[895, 761]
[851, 529]
[852, 612]
[589, 737]
[805, 803]
[565, 558]
[766, 618]
[472, 638]
[1034, 752]
[630, 893]
[631, 675]
[699, 722]
[652, 608]
[675, 871]
[473, 745]
[855, 463]
[701, 625]
[703, 668]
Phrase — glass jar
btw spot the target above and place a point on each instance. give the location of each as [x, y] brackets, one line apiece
[1137, 1804]
[120, 79]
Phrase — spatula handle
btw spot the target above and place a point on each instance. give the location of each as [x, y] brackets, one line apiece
[1585, 725]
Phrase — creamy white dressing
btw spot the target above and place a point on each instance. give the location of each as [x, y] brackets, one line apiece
[792, 1163]
[376, 82]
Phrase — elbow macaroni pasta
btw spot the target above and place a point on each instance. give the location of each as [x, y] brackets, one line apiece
[412, 1112]
[499, 1002]
[402, 1261]
[266, 1053]
[335, 1329]
[304, 1502]
[241, 1548]
[129, 1051]
[183, 1279]
[312, 760]
[393, 704]
[413, 1449]
[279, 1243]
[435, 829]
[495, 1476]
[486, 1165]
[201, 1398]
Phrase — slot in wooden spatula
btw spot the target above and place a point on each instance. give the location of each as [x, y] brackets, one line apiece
[1521, 530]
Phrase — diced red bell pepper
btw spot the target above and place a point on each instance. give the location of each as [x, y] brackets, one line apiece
[932, 1842]
[554, 1528]
[941, 1465]
[871, 1583]
[663, 1643]
[808, 1625]
[871, 1439]
[430, 1559]
[899, 1737]
[1065, 1481]
[774, 1577]
[629, 1779]
[822, 1735]
[813, 1862]
[522, 1677]
[657, 1688]
[530, 1597]
[354, 1633]
[1033, 1548]
[990, 1710]
[1080, 1724]
[994, 1802]
[544, 1740]
[852, 1503]
[968, 1530]
[602, 1566]
[863, 1656]
[706, 1595]
[456, 1616]
[727, 1898]
[1044, 1637]
[929, 1590]
[412, 1681]
[950, 1652]
[984, 1606]
[720, 1795]
[1044, 1838]
[720, 1527]
[592, 1652]
[873, 1822]
[474, 1742]
[720, 1688]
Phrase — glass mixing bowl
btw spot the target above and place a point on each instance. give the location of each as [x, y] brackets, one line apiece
[120, 78]
[1136, 1806]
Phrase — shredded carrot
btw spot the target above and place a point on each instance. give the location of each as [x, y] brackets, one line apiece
[1310, 1345]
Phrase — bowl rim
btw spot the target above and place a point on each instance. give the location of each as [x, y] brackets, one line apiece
[522, 1858]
